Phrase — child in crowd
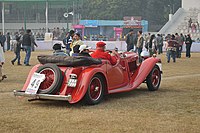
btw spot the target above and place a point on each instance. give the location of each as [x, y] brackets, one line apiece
[17, 49]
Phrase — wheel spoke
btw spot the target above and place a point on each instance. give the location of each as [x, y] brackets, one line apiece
[49, 78]
[95, 88]
[155, 78]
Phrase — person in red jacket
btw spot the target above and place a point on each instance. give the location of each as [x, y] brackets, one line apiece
[101, 54]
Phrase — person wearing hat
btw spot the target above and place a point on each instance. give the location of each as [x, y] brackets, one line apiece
[84, 50]
[57, 50]
[101, 54]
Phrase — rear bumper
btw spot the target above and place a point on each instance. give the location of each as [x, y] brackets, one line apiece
[43, 96]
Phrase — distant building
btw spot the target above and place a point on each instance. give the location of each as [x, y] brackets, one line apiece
[20, 14]
[107, 27]
[179, 23]
[187, 4]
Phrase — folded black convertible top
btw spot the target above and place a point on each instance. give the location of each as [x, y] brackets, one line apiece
[69, 61]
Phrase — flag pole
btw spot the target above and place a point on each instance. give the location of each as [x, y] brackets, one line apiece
[46, 14]
[3, 18]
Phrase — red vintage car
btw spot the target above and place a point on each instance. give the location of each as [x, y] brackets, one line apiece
[74, 79]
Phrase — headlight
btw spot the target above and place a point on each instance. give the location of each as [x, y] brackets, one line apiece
[154, 55]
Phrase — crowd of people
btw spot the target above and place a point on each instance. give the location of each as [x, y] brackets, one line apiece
[154, 44]
[74, 46]
[23, 42]
[39, 34]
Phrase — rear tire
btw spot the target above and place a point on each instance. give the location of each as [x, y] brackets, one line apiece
[153, 79]
[53, 79]
[95, 92]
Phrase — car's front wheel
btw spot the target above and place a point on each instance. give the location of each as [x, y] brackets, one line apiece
[95, 91]
[153, 79]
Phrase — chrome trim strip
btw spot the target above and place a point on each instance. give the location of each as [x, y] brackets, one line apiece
[43, 96]
[160, 66]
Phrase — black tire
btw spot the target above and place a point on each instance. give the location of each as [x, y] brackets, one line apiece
[94, 95]
[53, 79]
[153, 80]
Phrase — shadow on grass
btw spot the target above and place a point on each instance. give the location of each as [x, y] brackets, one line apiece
[141, 92]
[108, 99]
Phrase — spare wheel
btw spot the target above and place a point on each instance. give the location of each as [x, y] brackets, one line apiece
[53, 79]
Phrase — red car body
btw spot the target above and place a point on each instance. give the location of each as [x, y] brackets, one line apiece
[97, 80]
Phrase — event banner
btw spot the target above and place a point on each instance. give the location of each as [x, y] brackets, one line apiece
[132, 22]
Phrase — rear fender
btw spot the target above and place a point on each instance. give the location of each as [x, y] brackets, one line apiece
[29, 76]
[79, 92]
[143, 71]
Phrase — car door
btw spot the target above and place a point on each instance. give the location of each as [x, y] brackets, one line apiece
[117, 75]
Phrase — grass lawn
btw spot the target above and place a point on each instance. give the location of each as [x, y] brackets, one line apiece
[174, 108]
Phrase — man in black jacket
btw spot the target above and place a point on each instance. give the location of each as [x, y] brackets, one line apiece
[188, 42]
[129, 40]
[68, 40]
[26, 43]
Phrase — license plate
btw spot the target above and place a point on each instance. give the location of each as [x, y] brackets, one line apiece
[35, 82]
[72, 82]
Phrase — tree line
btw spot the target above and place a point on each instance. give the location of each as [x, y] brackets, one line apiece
[154, 11]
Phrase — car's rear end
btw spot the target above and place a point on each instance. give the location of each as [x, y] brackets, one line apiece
[62, 82]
